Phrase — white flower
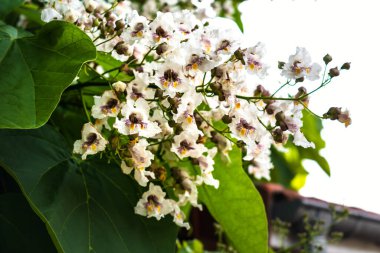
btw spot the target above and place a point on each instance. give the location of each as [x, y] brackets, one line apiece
[299, 65]
[138, 88]
[163, 29]
[153, 203]
[185, 111]
[253, 60]
[136, 120]
[50, 14]
[179, 216]
[185, 145]
[190, 195]
[91, 143]
[206, 164]
[162, 122]
[107, 105]
[138, 28]
[170, 78]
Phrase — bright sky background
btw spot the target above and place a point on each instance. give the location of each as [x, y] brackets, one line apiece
[349, 30]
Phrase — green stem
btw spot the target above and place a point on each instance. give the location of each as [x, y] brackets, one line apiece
[85, 107]
[217, 130]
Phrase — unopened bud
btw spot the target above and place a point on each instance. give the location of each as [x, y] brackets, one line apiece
[162, 48]
[327, 58]
[120, 24]
[301, 94]
[159, 173]
[346, 66]
[300, 80]
[278, 135]
[226, 119]
[239, 54]
[333, 113]
[121, 48]
[119, 86]
[281, 64]
[334, 72]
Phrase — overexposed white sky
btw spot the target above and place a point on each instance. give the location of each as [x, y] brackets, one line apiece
[349, 30]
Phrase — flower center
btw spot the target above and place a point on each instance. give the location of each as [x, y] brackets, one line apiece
[153, 204]
[91, 141]
[244, 128]
[170, 78]
[110, 106]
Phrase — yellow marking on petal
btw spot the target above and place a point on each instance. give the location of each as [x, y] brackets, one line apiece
[237, 105]
[183, 151]
[166, 83]
[149, 208]
[189, 119]
[195, 66]
[175, 84]
[93, 147]
[157, 39]
[208, 48]
[140, 34]
[158, 208]
[132, 126]
[113, 110]
[308, 70]
[251, 66]
[297, 71]
[243, 131]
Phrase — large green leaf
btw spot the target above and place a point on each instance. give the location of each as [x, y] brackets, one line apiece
[36, 70]
[312, 127]
[7, 6]
[20, 229]
[237, 205]
[87, 207]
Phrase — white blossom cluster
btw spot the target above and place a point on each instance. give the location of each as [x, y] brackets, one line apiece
[195, 92]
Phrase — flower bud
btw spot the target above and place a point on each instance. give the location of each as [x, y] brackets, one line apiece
[159, 172]
[333, 113]
[226, 119]
[327, 58]
[281, 64]
[121, 48]
[278, 135]
[334, 72]
[346, 66]
[300, 80]
[239, 55]
[301, 93]
[120, 25]
[119, 86]
[162, 48]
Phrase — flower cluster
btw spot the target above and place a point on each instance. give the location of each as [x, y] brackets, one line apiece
[195, 92]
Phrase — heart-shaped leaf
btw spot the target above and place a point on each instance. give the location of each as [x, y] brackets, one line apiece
[87, 207]
[37, 69]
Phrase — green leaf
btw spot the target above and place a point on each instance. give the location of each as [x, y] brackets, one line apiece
[20, 229]
[87, 207]
[237, 15]
[237, 205]
[312, 127]
[7, 6]
[36, 70]
[112, 66]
